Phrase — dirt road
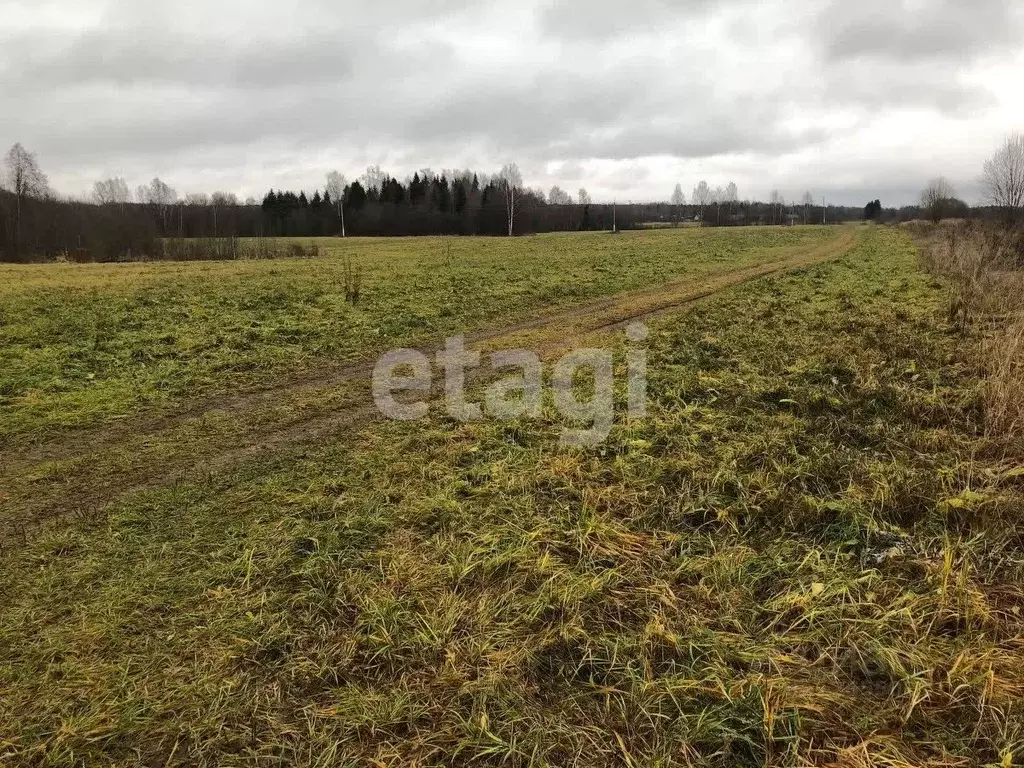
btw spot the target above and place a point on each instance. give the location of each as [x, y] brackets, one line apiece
[84, 472]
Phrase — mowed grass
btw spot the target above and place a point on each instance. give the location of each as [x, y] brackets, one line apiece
[80, 344]
[807, 554]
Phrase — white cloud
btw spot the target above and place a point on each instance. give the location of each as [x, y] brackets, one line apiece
[624, 101]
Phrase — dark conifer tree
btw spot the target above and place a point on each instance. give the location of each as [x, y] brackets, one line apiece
[356, 198]
[444, 195]
[417, 190]
[459, 198]
[393, 192]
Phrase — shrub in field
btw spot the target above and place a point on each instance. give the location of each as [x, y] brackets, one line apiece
[232, 249]
[353, 282]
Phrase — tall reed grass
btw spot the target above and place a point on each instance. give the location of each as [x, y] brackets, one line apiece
[985, 267]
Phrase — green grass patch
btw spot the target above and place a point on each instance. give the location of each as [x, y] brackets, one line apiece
[808, 553]
[80, 344]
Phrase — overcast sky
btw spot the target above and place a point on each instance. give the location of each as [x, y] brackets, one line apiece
[852, 100]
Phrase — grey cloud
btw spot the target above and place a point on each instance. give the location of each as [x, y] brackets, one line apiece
[143, 56]
[220, 90]
[938, 87]
[900, 31]
[603, 19]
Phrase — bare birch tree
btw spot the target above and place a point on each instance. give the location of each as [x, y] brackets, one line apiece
[511, 184]
[160, 195]
[374, 179]
[1003, 177]
[221, 200]
[776, 202]
[718, 196]
[935, 198]
[583, 196]
[678, 199]
[702, 197]
[732, 196]
[26, 180]
[336, 189]
[111, 192]
[558, 196]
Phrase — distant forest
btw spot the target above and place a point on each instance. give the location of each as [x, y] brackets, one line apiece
[119, 225]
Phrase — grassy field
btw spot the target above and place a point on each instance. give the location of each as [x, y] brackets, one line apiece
[809, 552]
[83, 343]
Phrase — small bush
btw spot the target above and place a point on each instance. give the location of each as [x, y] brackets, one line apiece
[353, 282]
[230, 249]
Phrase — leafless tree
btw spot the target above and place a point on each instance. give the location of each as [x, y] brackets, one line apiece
[1003, 177]
[221, 200]
[373, 179]
[718, 197]
[336, 189]
[558, 196]
[111, 192]
[163, 195]
[702, 197]
[583, 196]
[776, 202]
[511, 183]
[197, 199]
[158, 194]
[936, 196]
[808, 201]
[732, 196]
[678, 196]
[26, 179]
[678, 199]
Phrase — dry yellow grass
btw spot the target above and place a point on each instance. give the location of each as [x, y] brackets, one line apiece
[808, 554]
[984, 265]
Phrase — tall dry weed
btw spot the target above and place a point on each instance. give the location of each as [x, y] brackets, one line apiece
[1004, 382]
[985, 267]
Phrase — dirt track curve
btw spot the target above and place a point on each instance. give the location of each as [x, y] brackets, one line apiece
[108, 462]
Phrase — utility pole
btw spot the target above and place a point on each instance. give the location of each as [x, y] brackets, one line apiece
[823, 211]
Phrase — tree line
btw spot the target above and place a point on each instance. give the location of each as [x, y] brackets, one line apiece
[456, 203]
[117, 223]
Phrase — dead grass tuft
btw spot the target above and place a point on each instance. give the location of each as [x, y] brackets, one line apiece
[985, 267]
[1004, 385]
[803, 556]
